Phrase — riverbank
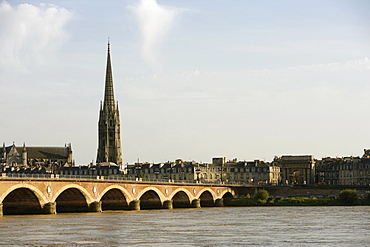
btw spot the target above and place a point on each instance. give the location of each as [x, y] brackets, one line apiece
[346, 198]
[294, 201]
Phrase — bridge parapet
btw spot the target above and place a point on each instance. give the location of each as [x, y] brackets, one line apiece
[27, 176]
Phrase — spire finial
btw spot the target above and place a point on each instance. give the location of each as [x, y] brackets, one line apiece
[108, 44]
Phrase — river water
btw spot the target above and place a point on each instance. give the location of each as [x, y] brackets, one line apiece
[228, 226]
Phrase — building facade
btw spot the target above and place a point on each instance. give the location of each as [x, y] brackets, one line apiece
[327, 171]
[35, 159]
[296, 169]
[172, 171]
[109, 135]
[106, 170]
[344, 170]
[219, 171]
[250, 172]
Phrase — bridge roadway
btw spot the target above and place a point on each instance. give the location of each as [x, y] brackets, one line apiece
[51, 195]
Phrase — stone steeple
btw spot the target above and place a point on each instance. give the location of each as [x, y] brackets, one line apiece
[109, 136]
[109, 93]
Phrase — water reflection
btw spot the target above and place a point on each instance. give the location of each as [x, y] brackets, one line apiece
[253, 226]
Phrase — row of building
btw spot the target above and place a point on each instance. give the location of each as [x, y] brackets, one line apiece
[219, 170]
[284, 170]
[344, 171]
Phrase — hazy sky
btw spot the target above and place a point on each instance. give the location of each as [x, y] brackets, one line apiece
[194, 79]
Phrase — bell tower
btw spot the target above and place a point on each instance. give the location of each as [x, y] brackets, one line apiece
[109, 135]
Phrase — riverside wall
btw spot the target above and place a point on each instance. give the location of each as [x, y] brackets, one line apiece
[302, 191]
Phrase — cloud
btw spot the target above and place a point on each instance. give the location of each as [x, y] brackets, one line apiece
[29, 33]
[154, 22]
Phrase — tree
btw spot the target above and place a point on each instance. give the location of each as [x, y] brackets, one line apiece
[348, 197]
[262, 195]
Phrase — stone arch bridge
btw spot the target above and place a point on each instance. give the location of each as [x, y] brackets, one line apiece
[56, 195]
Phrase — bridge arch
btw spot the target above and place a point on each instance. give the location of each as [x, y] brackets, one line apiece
[72, 198]
[40, 196]
[22, 199]
[151, 198]
[214, 196]
[123, 190]
[85, 193]
[227, 194]
[159, 193]
[207, 197]
[181, 198]
[115, 197]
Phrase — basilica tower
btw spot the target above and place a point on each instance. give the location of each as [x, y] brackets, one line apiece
[109, 136]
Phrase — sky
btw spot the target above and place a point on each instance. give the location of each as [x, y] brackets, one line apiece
[194, 79]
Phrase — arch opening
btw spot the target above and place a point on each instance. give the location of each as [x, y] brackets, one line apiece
[181, 200]
[114, 199]
[150, 200]
[227, 198]
[21, 201]
[296, 177]
[206, 199]
[71, 200]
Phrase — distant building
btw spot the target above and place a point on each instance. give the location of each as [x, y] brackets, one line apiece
[296, 169]
[109, 136]
[220, 171]
[171, 171]
[251, 172]
[35, 159]
[327, 171]
[107, 170]
[345, 170]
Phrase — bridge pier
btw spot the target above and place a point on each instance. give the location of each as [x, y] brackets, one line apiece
[1, 209]
[196, 203]
[50, 208]
[219, 202]
[134, 205]
[95, 206]
[168, 204]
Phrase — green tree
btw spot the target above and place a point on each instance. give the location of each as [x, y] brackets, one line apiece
[348, 197]
[262, 195]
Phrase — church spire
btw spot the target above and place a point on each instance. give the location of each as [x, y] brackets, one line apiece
[109, 94]
[109, 137]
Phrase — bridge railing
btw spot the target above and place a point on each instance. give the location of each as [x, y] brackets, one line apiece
[108, 178]
[24, 175]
